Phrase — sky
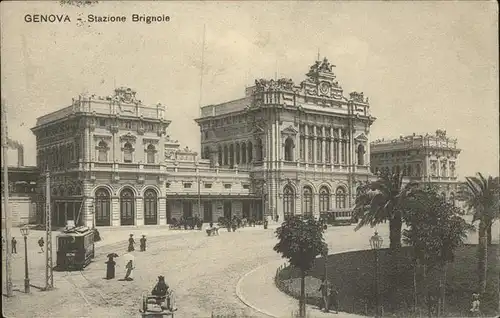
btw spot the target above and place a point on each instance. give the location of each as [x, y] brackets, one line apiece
[424, 65]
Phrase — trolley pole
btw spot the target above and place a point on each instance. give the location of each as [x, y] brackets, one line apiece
[49, 278]
[8, 251]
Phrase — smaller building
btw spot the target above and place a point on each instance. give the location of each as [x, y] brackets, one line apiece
[429, 158]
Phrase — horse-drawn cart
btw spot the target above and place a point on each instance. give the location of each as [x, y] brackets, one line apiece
[158, 306]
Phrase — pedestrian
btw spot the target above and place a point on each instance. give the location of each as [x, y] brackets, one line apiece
[265, 224]
[277, 217]
[143, 243]
[131, 243]
[14, 244]
[475, 311]
[130, 268]
[41, 243]
[110, 266]
[323, 288]
[333, 300]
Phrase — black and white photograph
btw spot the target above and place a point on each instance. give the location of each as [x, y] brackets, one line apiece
[283, 159]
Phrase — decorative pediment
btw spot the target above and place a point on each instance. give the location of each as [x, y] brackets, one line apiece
[269, 85]
[153, 141]
[290, 130]
[361, 138]
[125, 95]
[128, 137]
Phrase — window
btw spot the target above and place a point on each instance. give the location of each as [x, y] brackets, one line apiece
[307, 201]
[167, 185]
[102, 122]
[302, 148]
[319, 150]
[340, 198]
[103, 151]
[288, 202]
[208, 186]
[289, 145]
[128, 125]
[246, 186]
[328, 158]
[127, 152]
[150, 207]
[324, 199]
[187, 185]
[361, 155]
[150, 154]
[227, 185]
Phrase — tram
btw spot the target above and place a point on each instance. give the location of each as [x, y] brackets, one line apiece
[75, 248]
[338, 217]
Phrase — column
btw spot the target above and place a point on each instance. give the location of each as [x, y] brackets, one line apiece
[315, 145]
[367, 154]
[339, 145]
[323, 150]
[306, 143]
[332, 159]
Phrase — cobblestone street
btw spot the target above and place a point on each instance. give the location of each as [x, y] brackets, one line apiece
[203, 271]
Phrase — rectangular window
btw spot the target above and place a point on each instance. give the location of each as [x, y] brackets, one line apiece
[187, 185]
[128, 125]
[208, 186]
[246, 186]
[302, 148]
[102, 122]
[167, 185]
[227, 185]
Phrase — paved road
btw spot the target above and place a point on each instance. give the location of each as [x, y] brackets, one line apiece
[203, 271]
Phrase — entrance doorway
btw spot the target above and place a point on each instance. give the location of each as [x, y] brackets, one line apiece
[227, 210]
[187, 209]
[246, 209]
[207, 212]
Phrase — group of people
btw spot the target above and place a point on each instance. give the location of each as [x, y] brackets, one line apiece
[13, 243]
[129, 266]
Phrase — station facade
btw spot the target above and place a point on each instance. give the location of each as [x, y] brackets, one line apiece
[281, 150]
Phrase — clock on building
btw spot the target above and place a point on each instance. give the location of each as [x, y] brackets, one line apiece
[324, 88]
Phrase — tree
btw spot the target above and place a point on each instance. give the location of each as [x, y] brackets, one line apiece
[481, 196]
[300, 241]
[435, 230]
[383, 200]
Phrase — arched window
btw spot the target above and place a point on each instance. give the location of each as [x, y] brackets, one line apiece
[289, 145]
[361, 155]
[452, 198]
[150, 207]
[340, 198]
[102, 208]
[418, 170]
[244, 153]
[443, 195]
[226, 155]
[231, 155]
[237, 149]
[410, 172]
[206, 153]
[250, 152]
[127, 152]
[260, 150]
[324, 199]
[307, 201]
[127, 207]
[219, 155]
[151, 151]
[288, 202]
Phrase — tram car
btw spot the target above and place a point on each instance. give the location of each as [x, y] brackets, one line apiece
[75, 248]
[338, 217]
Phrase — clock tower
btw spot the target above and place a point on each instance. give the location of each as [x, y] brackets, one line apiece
[321, 80]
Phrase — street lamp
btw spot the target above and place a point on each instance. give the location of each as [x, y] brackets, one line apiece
[325, 275]
[375, 243]
[25, 231]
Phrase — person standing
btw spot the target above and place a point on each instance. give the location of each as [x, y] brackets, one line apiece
[143, 243]
[323, 288]
[131, 243]
[110, 267]
[130, 267]
[41, 243]
[334, 299]
[14, 245]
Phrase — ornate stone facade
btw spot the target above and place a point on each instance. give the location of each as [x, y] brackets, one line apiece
[424, 158]
[305, 147]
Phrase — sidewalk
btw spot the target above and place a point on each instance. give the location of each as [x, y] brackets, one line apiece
[257, 290]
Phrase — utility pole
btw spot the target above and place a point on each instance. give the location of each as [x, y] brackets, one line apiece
[8, 251]
[49, 278]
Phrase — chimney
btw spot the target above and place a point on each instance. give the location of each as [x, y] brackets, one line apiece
[20, 156]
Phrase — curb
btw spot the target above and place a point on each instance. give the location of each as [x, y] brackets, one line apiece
[242, 298]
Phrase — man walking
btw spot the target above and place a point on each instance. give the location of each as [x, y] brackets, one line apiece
[334, 299]
[41, 243]
[14, 245]
[323, 288]
[143, 243]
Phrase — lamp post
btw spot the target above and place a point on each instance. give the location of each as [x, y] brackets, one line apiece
[25, 232]
[325, 275]
[375, 243]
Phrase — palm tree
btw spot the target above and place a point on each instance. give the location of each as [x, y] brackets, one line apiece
[383, 200]
[481, 196]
